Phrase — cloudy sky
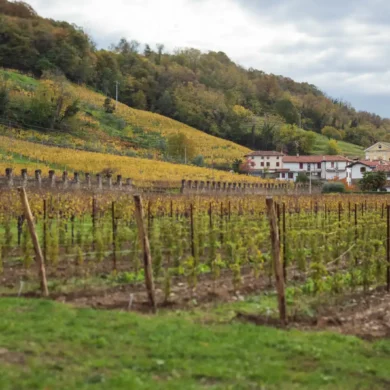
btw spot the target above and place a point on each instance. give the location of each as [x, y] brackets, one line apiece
[342, 46]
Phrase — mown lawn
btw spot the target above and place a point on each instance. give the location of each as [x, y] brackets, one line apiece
[47, 345]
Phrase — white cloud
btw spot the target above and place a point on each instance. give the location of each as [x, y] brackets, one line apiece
[343, 52]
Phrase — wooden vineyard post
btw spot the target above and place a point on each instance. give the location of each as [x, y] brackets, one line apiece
[388, 250]
[340, 211]
[276, 260]
[211, 215]
[192, 230]
[284, 243]
[221, 223]
[356, 229]
[44, 231]
[93, 222]
[139, 213]
[114, 228]
[35, 240]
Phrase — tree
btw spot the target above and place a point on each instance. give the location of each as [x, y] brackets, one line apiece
[198, 161]
[373, 181]
[4, 98]
[52, 105]
[147, 51]
[332, 133]
[165, 105]
[247, 166]
[180, 148]
[302, 178]
[333, 148]
[108, 106]
[287, 110]
[139, 100]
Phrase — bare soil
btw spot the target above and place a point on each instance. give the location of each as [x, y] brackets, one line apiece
[365, 314]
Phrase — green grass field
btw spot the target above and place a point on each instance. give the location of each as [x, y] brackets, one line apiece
[346, 148]
[47, 345]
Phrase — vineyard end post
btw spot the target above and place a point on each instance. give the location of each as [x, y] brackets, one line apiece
[139, 213]
[274, 232]
[35, 240]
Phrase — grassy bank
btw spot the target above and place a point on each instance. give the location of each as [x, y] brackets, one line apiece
[46, 345]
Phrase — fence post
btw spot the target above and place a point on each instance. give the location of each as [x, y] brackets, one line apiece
[99, 182]
[38, 178]
[52, 178]
[119, 182]
[76, 179]
[24, 178]
[65, 179]
[35, 240]
[276, 259]
[139, 213]
[129, 184]
[88, 180]
[10, 177]
[183, 186]
[109, 181]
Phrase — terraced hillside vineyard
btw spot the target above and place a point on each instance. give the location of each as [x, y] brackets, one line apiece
[139, 169]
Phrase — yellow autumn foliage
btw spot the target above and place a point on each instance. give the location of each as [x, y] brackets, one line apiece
[139, 169]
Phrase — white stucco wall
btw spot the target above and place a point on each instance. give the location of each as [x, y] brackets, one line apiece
[339, 169]
[272, 160]
[356, 174]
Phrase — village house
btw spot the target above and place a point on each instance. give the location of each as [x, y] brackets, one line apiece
[357, 169]
[277, 165]
[378, 151]
[265, 163]
[319, 167]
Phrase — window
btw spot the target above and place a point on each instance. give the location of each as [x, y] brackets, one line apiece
[319, 165]
[332, 164]
[262, 157]
[278, 164]
[267, 158]
[300, 165]
[362, 170]
[253, 157]
[268, 164]
[277, 158]
[262, 164]
[283, 175]
[291, 175]
[380, 146]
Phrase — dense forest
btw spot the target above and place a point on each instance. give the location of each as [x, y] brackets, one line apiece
[205, 90]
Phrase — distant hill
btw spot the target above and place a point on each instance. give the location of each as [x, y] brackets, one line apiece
[206, 91]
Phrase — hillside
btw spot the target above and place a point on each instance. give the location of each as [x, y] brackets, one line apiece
[18, 154]
[207, 91]
[125, 131]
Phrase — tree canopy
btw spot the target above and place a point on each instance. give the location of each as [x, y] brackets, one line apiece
[206, 90]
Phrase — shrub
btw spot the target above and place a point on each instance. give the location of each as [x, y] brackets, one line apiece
[333, 187]
[198, 161]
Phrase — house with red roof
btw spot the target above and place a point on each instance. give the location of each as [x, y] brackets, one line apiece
[265, 163]
[318, 167]
[277, 165]
[357, 169]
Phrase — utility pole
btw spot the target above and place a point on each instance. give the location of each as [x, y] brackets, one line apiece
[309, 178]
[185, 155]
[116, 94]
